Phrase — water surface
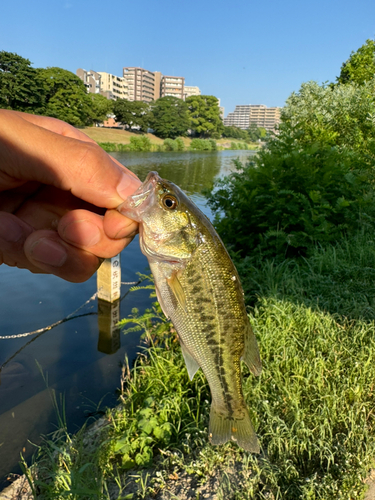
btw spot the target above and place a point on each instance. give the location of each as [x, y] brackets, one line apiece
[68, 354]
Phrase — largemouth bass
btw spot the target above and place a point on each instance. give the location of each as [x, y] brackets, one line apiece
[199, 289]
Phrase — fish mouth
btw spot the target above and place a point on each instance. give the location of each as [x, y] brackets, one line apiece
[134, 206]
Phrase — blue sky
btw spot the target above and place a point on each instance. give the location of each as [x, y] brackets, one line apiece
[242, 51]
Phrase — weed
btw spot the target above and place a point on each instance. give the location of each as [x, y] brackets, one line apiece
[312, 406]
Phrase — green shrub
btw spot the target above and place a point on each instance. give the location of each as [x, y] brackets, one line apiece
[239, 145]
[213, 144]
[283, 204]
[200, 145]
[140, 143]
[113, 146]
[108, 146]
[180, 144]
[170, 145]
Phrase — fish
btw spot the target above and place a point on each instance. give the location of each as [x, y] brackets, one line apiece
[199, 289]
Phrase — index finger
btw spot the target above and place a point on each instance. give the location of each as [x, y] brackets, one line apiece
[29, 152]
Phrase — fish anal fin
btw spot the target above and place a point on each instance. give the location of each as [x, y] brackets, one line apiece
[178, 292]
[191, 364]
[241, 431]
[251, 354]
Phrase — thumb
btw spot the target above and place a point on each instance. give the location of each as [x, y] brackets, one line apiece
[32, 153]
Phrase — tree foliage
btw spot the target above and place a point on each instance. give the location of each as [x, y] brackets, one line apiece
[169, 117]
[65, 96]
[52, 92]
[205, 116]
[19, 88]
[342, 115]
[360, 67]
[256, 133]
[235, 133]
[253, 133]
[132, 114]
[101, 107]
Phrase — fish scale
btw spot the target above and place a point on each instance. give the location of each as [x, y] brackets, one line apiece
[199, 289]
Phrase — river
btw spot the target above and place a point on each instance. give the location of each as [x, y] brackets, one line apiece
[72, 358]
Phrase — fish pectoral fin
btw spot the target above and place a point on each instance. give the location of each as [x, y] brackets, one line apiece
[191, 364]
[251, 354]
[161, 303]
[178, 292]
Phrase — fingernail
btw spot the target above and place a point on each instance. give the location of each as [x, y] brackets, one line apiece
[48, 252]
[127, 185]
[10, 231]
[82, 233]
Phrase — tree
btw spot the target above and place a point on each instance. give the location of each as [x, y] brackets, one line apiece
[360, 67]
[101, 107]
[131, 113]
[19, 87]
[255, 133]
[169, 117]
[205, 115]
[342, 116]
[66, 96]
[234, 132]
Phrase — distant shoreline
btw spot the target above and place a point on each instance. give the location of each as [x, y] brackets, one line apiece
[112, 139]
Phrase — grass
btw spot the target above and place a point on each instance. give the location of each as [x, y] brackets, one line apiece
[101, 134]
[114, 140]
[338, 279]
[313, 406]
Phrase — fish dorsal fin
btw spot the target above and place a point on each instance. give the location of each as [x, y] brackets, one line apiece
[191, 364]
[178, 292]
[251, 354]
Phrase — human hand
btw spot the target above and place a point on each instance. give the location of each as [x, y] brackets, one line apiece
[58, 194]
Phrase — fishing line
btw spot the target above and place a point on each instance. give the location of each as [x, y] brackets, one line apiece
[70, 316]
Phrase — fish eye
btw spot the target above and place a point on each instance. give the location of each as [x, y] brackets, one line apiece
[170, 202]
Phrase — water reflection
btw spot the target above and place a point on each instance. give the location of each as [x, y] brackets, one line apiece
[191, 171]
[109, 333]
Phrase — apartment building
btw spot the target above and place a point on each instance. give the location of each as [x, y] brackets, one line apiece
[141, 84]
[136, 84]
[99, 82]
[145, 85]
[172, 86]
[91, 79]
[112, 86]
[259, 114]
[189, 90]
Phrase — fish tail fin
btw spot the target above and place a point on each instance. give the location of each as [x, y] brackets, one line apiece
[223, 429]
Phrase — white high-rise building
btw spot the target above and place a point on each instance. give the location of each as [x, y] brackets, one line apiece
[189, 90]
[112, 86]
[258, 114]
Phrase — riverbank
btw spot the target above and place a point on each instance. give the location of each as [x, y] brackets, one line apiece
[312, 407]
[120, 140]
